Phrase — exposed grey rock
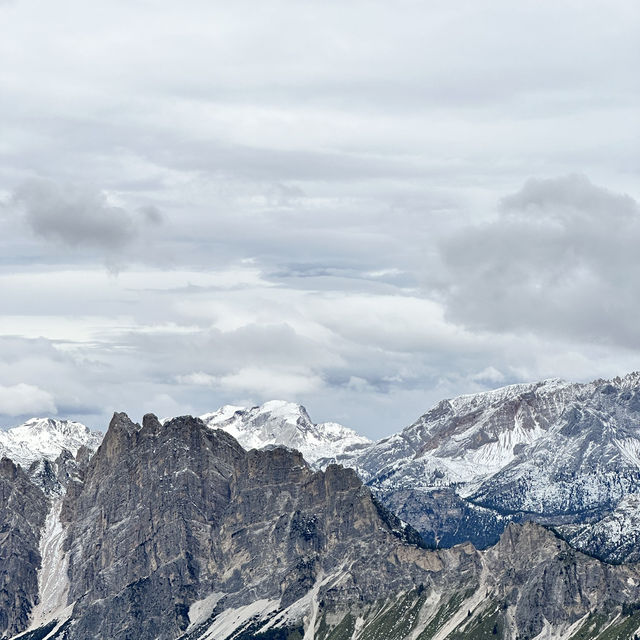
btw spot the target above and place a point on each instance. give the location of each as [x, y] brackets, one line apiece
[43, 473]
[23, 508]
[542, 579]
[142, 525]
[169, 513]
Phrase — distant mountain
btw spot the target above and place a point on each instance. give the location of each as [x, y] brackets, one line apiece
[45, 438]
[273, 423]
[566, 455]
[284, 423]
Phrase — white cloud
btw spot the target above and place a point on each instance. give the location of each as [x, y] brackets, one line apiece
[25, 399]
[489, 375]
[198, 378]
[272, 383]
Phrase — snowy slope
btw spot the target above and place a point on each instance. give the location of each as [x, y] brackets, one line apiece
[284, 423]
[40, 438]
[466, 439]
[615, 538]
[562, 453]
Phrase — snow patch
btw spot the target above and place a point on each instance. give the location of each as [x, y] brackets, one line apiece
[200, 610]
[231, 620]
[53, 581]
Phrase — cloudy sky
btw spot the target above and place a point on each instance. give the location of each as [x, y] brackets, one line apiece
[360, 206]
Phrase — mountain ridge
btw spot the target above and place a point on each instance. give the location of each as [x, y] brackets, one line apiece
[565, 454]
[174, 531]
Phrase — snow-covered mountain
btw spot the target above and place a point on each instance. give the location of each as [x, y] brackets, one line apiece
[271, 424]
[559, 453]
[45, 438]
[465, 439]
[284, 423]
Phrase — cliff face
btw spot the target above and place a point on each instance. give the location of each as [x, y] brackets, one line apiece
[23, 508]
[142, 526]
[542, 582]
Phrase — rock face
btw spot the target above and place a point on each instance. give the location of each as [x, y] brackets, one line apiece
[142, 525]
[168, 514]
[551, 585]
[173, 531]
[23, 508]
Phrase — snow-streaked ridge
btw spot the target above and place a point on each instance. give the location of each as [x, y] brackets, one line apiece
[559, 450]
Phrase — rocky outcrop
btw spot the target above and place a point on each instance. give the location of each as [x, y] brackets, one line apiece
[142, 526]
[23, 509]
[542, 581]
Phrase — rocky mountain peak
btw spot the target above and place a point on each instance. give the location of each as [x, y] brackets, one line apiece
[205, 514]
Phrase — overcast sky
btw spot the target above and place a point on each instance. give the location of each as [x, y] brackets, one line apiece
[360, 206]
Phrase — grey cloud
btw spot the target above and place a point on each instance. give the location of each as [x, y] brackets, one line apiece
[55, 381]
[561, 258]
[78, 216]
[74, 215]
[152, 215]
[569, 197]
[321, 350]
[215, 352]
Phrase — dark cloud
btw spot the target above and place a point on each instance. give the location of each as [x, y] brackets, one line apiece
[561, 258]
[74, 216]
[86, 221]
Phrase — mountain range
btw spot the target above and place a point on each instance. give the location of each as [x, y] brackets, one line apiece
[564, 455]
[511, 513]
